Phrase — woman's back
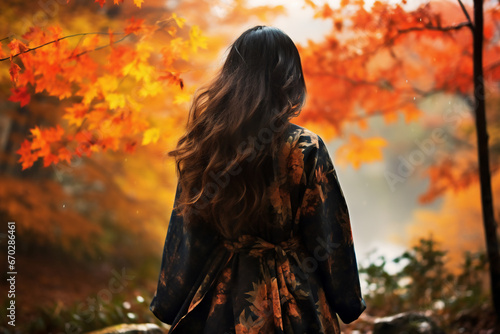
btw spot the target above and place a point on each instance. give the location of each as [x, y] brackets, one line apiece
[291, 276]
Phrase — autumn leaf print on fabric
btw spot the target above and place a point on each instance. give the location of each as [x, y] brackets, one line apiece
[311, 201]
[257, 318]
[221, 290]
[296, 166]
[286, 279]
[326, 316]
[277, 198]
[345, 225]
[260, 284]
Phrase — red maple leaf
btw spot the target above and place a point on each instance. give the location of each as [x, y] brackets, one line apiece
[130, 147]
[64, 154]
[20, 95]
[134, 26]
[14, 71]
[53, 134]
[101, 2]
[27, 157]
[17, 47]
[49, 159]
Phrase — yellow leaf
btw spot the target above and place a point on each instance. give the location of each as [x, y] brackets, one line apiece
[115, 100]
[138, 3]
[129, 67]
[151, 136]
[144, 51]
[88, 93]
[76, 114]
[108, 83]
[143, 71]
[150, 89]
[196, 39]
[179, 48]
[139, 70]
[179, 21]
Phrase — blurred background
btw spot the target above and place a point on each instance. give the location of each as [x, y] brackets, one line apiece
[86, 120]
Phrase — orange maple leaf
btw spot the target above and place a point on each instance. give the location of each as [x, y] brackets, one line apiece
[50, 159]
[76, 113]
[17, 47]
[53, 134]
[358, 150]
[101, 2]
[64, 154]
[20, 95]
[325, 12]
[27, 157]
[33, 33]
[38, 140]
[310, 3]
[172, 78]
[412, 113]
[14, 71]
[134, 26]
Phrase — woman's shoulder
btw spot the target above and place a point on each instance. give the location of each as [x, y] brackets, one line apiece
[305, 137]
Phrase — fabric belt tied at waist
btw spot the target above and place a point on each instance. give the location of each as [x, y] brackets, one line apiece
[256, 246]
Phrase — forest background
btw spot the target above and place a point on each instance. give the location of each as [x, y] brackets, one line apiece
[94, 93]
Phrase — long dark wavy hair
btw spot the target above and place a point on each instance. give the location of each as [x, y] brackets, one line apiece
[235, 130]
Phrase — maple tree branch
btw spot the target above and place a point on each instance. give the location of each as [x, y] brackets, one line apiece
[471, 25]
[77, 44]
[390, 40]
[101, 47]
[3, 39]
[438, 28]
[59, 39]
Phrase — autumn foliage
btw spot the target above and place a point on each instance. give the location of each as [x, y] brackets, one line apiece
[385, 61]
[110, 89]
[93, 101]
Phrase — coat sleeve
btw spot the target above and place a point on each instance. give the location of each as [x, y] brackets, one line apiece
[185, 253]
[325, 227]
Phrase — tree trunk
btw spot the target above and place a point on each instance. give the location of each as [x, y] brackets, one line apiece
[490, 227]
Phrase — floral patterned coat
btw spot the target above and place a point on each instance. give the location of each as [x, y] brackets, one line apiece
[293, 278]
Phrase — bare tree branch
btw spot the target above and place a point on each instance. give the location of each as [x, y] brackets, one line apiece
[466, 14]
[100, 47]
[59, 39]
[437, 28]
[3, 39]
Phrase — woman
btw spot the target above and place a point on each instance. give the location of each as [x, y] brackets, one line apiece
[259, 239]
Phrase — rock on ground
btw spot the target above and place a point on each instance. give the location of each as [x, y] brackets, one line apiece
[130, 329]
[408, 323]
